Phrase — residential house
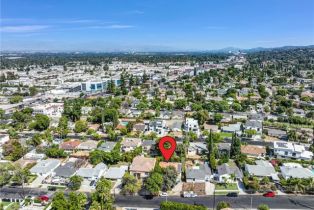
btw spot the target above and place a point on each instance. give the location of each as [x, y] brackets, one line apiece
[115, 173]
[148, 145]
[198, 173]
[280, 134]
[261, 169]
[174, 125]
[33, 155]
[107, 146]
[70, 145]
[256, 125]
[253, 151]
[191, 125]
[50, 109]
[295, 170]
[291, 150]
[232, 128]
[197, 148]
[156, 126]
[45, 167]
[87, 145]
[224, 149]
[142, 166]
[92, 173]
[177, 114]
[139, 127]
[129, 144]
[226, 171]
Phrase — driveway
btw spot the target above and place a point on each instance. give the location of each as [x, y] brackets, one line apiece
[37, 182]
[241, 188]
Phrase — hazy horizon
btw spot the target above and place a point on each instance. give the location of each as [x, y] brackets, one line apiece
[147, 25]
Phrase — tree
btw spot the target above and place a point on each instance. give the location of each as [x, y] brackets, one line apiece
[2, 113]
[180, 103]
[75, 182]
[222, 205]
[263, 207]
[77, 201]
[103, 195]
[36, 140]
[41, 122]
[212, 161]
[154, 183]
[235, 149]
[202, 116]
[33, 91]
[130, 185]
[80, 126]
[16, 99]
[169, 177]
[62, 128]
[169, 205]
[55, 152]
[59, 202]
[13, 150]
[218, 117]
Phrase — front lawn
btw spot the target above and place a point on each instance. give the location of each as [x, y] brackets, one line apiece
[225, 135]
[227, 186]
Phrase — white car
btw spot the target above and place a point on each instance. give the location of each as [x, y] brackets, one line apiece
[190, 194]
[163, 194]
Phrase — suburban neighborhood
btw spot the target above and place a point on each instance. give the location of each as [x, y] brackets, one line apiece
[90, 128]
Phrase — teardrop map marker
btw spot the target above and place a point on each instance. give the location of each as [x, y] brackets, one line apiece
[167, 152]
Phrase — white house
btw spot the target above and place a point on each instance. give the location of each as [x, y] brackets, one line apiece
[50, 109]
[157, 126]
[293, 170]
[192, 125]
[45, 167]
[291, 150]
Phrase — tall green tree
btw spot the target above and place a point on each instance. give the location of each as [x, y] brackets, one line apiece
[235, 150]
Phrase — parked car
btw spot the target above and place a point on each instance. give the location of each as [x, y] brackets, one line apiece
[163, 194]
[189, 194]
[269, 194]
[232, 194]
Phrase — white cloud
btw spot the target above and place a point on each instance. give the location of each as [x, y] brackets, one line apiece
[23, 28]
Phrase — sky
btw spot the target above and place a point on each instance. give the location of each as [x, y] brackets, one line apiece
[154, 25]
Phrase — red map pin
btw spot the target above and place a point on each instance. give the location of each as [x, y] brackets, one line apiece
[167, 152]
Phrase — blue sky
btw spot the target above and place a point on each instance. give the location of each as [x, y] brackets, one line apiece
[154, 25]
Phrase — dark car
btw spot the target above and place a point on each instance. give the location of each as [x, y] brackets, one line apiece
[232, 194]
[148, 197]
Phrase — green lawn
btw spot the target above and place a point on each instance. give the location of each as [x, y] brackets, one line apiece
[5, 203]
[225, 135]
[228, 186]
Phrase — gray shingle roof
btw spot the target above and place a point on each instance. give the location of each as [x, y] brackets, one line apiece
[45, 166]
[226, 169]
[296, 172]
[198, 173]
[107, 146]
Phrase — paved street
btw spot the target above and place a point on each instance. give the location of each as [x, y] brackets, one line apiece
[243, 201]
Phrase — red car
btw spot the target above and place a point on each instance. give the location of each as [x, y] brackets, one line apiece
[44, 198]
[269, 194]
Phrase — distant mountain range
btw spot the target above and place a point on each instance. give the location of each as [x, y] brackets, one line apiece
[257, 49]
